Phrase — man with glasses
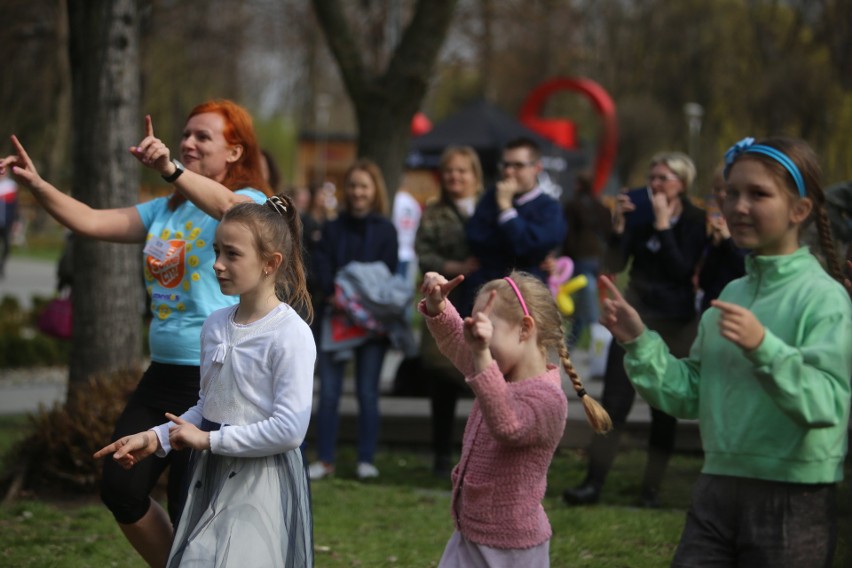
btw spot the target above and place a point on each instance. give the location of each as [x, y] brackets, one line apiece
[515, 225]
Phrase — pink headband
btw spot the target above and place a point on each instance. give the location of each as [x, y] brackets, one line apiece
[518, 294]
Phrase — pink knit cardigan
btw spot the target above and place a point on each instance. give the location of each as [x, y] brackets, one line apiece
[509, 440]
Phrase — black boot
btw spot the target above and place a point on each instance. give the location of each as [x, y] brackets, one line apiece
[602, 453]
[585, 494]
[655, 469]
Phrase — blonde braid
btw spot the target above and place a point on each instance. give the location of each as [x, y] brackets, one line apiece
[597, 416]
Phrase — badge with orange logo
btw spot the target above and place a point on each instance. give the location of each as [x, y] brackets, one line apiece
[170, 270]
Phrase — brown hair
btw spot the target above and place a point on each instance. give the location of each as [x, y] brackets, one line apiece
[465, 152]
[380, 203]
[238, 131]
[803, 156]
[525, 142]
[548, 321]
[271, 236]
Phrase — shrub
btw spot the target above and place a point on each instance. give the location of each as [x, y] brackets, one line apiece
[20, 344]
[12, 315]
[59, 449]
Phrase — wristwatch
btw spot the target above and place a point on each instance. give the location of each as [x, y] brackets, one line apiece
[176, 174]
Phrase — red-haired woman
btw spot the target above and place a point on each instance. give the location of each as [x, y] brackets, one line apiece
[218, 166]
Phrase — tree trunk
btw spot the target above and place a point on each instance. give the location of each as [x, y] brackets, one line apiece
[385, 104]
[383, 135]
[107, 292]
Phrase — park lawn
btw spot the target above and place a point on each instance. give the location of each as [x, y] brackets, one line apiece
[400, 519]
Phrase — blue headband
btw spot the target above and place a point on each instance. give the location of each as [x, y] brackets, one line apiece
[747, 146]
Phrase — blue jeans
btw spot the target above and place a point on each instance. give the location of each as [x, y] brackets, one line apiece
[586, 309]
[368, 366]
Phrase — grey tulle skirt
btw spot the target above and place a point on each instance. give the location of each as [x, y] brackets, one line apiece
[245, 512]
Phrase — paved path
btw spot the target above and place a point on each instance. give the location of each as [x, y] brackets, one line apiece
[26, 277]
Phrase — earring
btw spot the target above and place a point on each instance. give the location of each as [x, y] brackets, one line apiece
[265, 274]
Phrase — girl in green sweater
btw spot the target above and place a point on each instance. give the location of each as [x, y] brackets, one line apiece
[768, 375]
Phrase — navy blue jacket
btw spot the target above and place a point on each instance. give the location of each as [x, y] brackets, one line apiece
[521, 243]
[348, 238]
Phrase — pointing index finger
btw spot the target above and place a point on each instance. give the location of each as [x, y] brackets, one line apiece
[449, 286]
[149, 125]
[175, 419]
[725, 306]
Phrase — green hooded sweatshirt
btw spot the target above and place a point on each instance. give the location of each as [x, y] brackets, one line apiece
[781, 411]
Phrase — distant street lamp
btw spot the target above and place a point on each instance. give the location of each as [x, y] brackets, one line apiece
[694, 113]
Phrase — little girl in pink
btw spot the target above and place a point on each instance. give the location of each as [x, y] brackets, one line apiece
[517, 419]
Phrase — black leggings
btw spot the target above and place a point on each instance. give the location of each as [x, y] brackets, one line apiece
[163, 388]
[618, 397]
[444, 395]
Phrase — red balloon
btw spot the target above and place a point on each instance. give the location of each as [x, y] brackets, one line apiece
[420, 124]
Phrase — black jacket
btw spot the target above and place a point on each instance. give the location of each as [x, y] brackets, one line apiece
[663, 266]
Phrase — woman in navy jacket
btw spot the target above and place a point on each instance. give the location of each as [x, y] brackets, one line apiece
[665, 249]
[362, 232]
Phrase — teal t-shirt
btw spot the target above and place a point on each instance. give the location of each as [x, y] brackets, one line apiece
[182, 286]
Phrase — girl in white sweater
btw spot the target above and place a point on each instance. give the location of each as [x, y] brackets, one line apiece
[248, 502]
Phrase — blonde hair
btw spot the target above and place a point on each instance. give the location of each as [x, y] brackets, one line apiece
[472, 157]
[550, 335]
[277, 227]
[680, 164]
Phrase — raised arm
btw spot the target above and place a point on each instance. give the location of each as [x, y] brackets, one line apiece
[206, 193]
[121, 225]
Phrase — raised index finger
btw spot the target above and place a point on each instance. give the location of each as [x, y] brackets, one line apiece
[610, 287]
[489, 303]
[149, 126]
[19, 148]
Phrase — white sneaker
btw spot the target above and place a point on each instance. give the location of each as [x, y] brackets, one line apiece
[366, 471]
[319, 470]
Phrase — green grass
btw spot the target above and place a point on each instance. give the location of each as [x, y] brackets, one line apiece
[401, 519]
[40, 534]
[12, 429]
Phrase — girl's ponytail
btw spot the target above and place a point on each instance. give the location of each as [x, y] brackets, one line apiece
[291, 280]
[271, 236]
[597, 416]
